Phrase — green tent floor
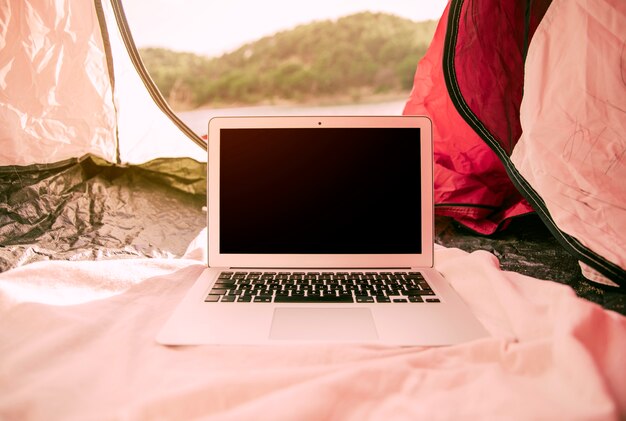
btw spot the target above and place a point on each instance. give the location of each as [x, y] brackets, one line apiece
[89, 209]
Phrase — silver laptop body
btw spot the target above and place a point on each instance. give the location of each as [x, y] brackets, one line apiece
[320, 229]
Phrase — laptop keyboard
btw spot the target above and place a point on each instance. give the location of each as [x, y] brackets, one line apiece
[321, 287]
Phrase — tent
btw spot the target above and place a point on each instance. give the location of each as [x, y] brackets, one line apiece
[97, 173]
[78, 109]
[74, 88]
[530, 118]
[73, 84]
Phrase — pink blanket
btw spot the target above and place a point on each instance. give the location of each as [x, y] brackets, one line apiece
[77, 342]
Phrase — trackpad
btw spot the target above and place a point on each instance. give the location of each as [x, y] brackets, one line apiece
[323, 324]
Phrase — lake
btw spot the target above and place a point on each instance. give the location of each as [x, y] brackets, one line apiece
[197, 120]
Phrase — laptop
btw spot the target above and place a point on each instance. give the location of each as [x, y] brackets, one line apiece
[320, 230]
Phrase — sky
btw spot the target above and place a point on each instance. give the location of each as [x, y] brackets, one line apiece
[213, 27]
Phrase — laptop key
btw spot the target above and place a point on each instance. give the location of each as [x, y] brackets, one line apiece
[364, 299]
[212, 298]
[415, 292]
[228, 299]
[316, 299]
[224, 284]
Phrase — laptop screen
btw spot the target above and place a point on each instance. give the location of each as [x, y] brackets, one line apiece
[320, 191]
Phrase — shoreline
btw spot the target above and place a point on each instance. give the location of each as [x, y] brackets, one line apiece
[333, 101]
[198, 118]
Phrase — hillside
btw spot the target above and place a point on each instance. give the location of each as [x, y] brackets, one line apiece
[354, 56]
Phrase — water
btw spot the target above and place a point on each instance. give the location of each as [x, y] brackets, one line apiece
[198, 120]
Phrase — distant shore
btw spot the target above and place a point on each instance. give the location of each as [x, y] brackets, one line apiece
[198, 119]
[327, 101]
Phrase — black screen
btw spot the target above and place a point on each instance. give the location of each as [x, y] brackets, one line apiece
[320, 191]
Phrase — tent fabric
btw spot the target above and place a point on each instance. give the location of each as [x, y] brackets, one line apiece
[471, 184]
[77, 342]
[90, 209]
[574, 118]
[69, 88]
[479, 50]
[55, 95]
[146, 126]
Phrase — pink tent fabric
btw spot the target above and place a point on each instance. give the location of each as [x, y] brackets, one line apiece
[572, 148]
